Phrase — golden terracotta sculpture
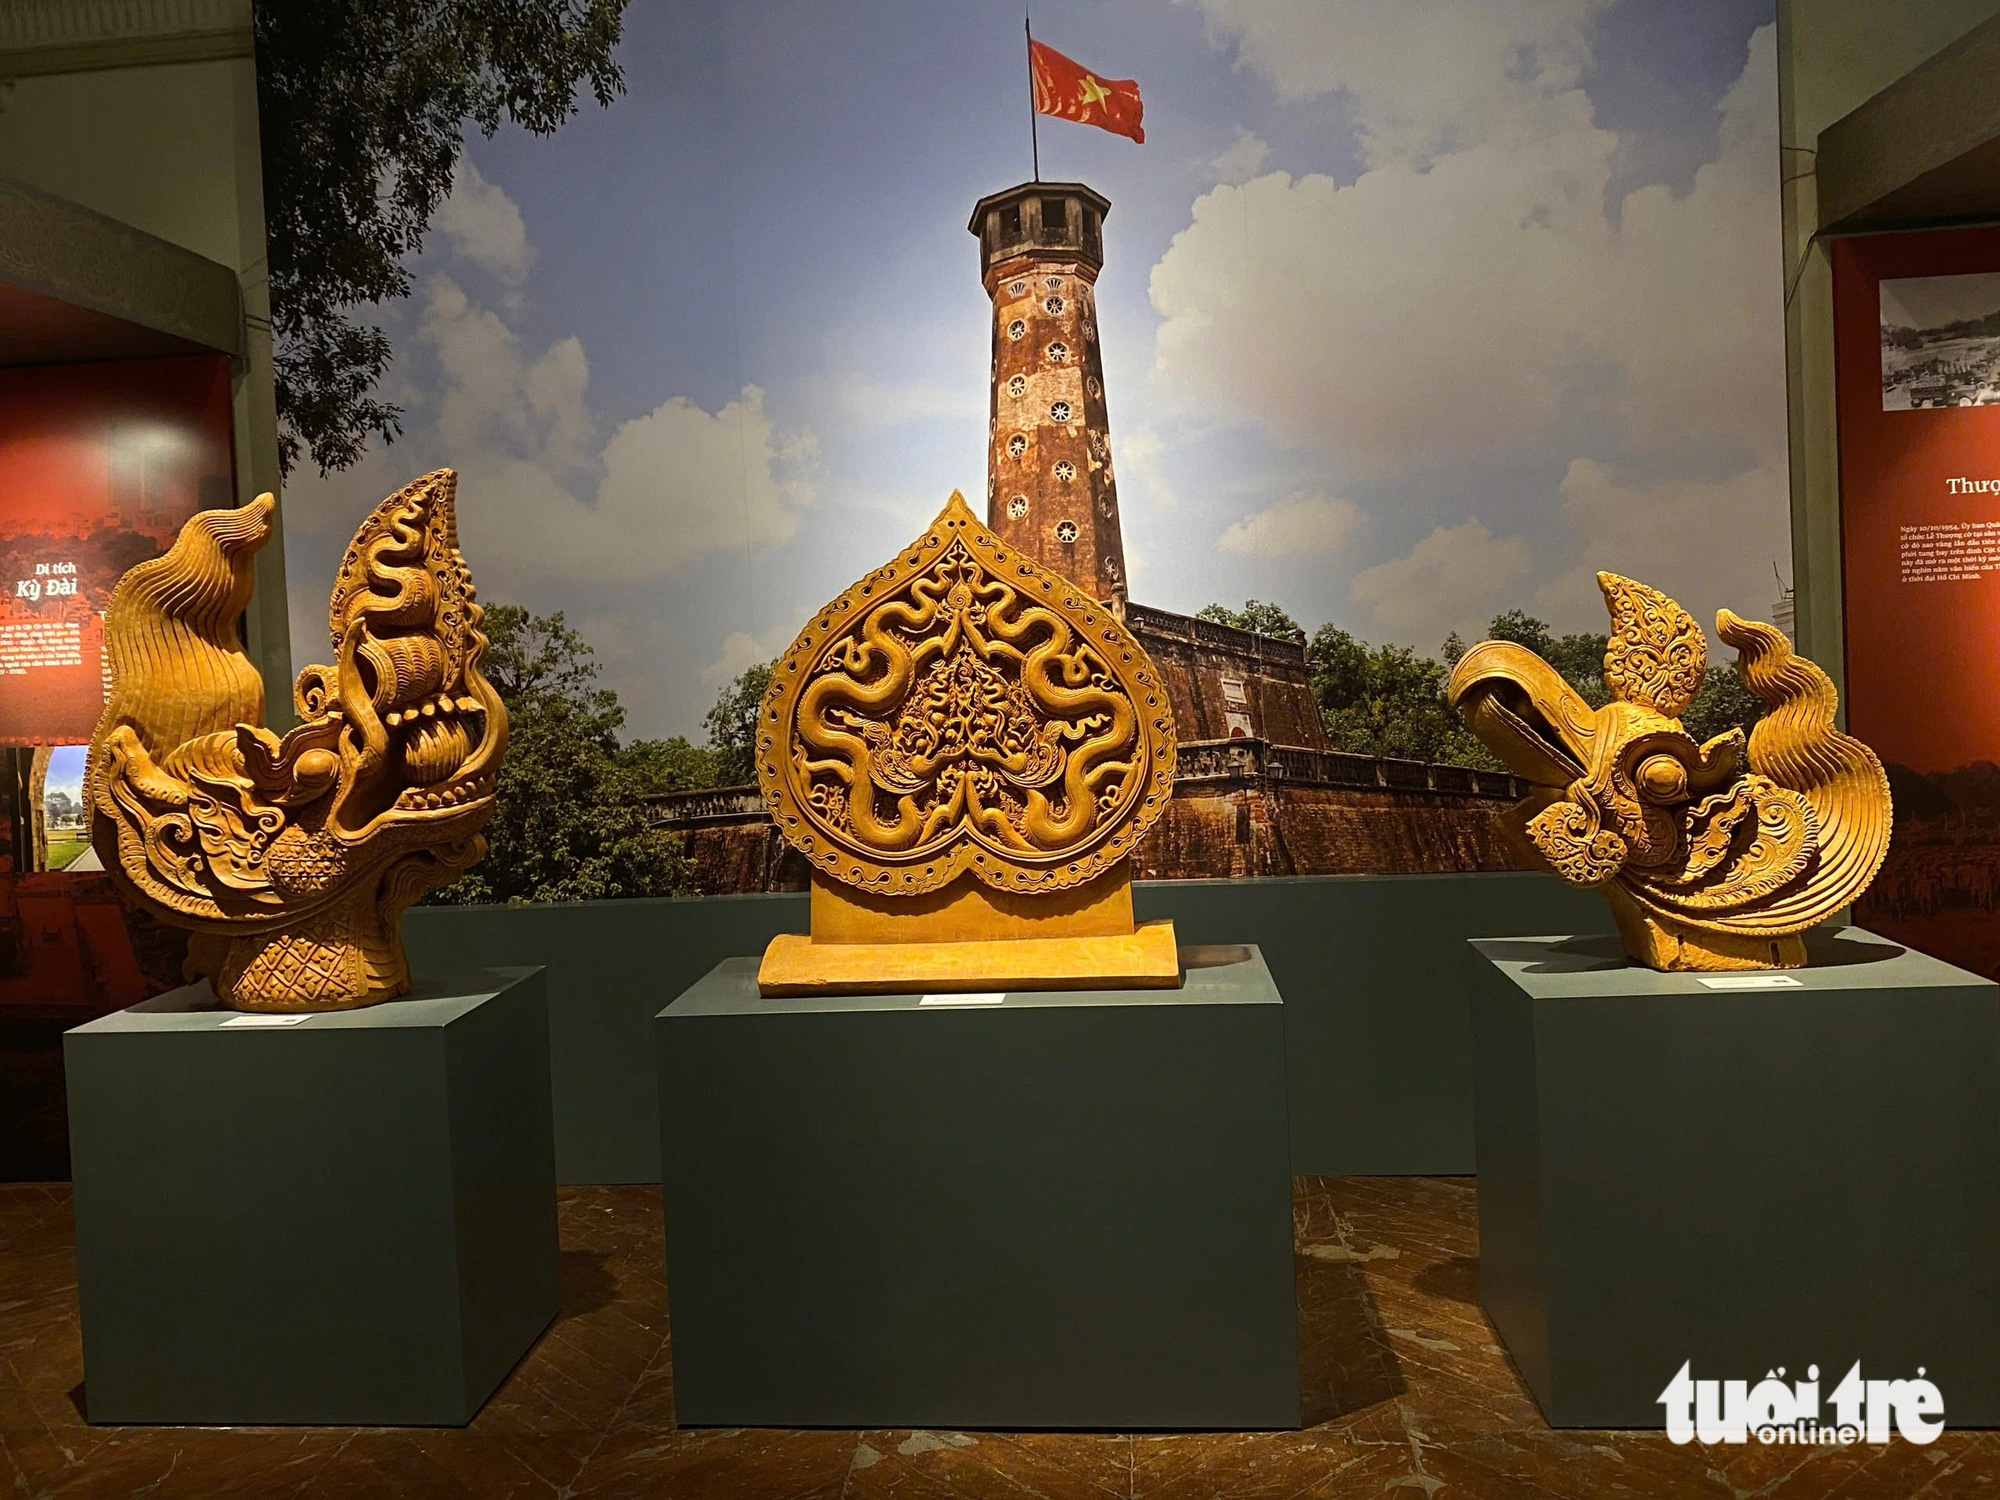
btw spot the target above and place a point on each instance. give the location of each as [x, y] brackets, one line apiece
[294, 859]
[1715, 856]
[966, 748]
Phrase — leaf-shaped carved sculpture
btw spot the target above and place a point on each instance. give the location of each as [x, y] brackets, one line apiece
[1712, 856]
[962, 720]
[961, 710]
[294, 859]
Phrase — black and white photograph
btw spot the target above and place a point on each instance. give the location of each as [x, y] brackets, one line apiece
[1940, 341]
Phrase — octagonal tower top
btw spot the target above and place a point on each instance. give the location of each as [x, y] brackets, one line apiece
[1037, 220]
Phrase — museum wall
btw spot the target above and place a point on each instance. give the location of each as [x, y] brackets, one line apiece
[1915, 320]
[171, 149]
[133, 225]
[1833, 55]
[1403, 329]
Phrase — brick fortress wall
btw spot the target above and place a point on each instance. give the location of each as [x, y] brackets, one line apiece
[1260, 789]
[1241, 807]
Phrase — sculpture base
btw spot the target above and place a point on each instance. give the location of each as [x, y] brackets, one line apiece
[1049, 1210]
[1143, 959]
[1675, 948]
[346, 1219]
[1670, 1171]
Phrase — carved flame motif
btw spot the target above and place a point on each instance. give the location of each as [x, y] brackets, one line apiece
[1713, 856]
[293, 859]
[962, 709]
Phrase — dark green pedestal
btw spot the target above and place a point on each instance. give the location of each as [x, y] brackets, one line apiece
[1741, 1178]
[1374, 970]
[1064, 1210]
[350, 1219]
[611, 966]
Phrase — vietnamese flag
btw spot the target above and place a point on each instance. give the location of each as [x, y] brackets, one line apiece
[1070, 91]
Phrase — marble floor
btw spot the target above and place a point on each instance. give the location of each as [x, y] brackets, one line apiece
[1407, 1397]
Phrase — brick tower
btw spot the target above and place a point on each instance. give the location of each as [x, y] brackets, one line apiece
[1049, 487]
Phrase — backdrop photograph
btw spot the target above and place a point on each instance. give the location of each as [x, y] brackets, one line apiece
[1407, 324]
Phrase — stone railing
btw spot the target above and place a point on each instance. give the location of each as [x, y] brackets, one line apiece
[709, 807]
[1200, 761]
[1142, 619]
[1246, 759]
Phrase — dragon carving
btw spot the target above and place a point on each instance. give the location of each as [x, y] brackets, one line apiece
[1712, 856]
[962, 710]
[293, 858]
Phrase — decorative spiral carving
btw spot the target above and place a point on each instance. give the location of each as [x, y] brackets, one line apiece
[293, 858]
[961, 709]
[1712, 856]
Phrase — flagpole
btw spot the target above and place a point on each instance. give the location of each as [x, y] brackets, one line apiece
[1034, 137]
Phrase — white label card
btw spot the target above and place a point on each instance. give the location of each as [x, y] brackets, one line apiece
[1748, 981]
[264, 1021]
[983, 997]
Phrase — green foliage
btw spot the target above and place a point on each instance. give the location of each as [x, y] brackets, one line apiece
[1579, 657]
[363, 106]
[1387, 700]
[569, 825]
[670, 765]
[732, 726]
[1723, 704]
[1265, 619]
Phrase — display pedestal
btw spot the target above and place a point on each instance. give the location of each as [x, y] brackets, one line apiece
[1741, 1178]
[1065, 1209]
[346, 1217]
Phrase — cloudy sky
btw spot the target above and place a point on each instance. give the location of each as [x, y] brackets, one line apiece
[1411, 313]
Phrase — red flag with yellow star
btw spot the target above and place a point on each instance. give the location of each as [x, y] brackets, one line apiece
[1069, 91]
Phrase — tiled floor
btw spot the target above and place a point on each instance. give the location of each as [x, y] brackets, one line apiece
[1407, 1397]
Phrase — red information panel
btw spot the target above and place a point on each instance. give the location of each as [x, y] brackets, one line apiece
[99, 466]
[1917, 332]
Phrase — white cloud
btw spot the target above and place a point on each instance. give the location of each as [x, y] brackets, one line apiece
[1242, 159]
[548, 507]
[1457, 578]
[1708, 544]
[681, 482]
[1139, 454]
[740, 651]
[671, 486]
[1301, 526]
[484, 226]
[877, 404]
[1422, 76]
[1469, 302]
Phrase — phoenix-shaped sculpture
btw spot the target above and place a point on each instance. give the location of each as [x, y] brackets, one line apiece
[294, 858]
[1713, 856]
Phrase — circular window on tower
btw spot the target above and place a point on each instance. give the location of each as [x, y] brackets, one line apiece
[1094, 386]
[1053, 306]
[1111, 568]
[1018, 289]
[1054, 283]
[1018, 506]
[1060, 411]
[1016, 445]
[1066, 532]
[1017, 330]
[1018, 386]
[1065, 471]
[1058, 353]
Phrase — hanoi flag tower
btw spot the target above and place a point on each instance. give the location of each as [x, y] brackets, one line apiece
[1049, 485]
[1259, 788]
[1050, 489]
